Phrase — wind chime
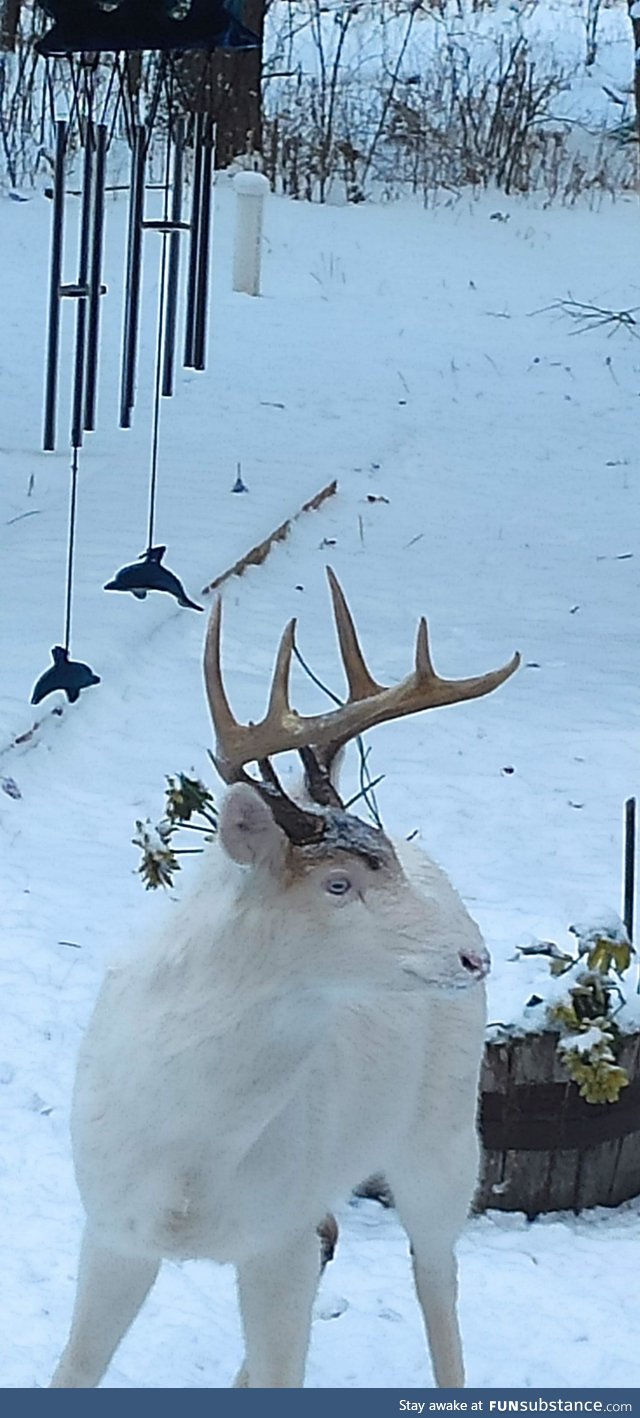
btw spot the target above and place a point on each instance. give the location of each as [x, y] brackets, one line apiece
[87, 53]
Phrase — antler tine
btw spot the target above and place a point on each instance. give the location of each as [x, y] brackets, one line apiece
[224, 722]
[279, 705]
[371, 703]
[362, 685]
[426, 682]
[458, 689]
[424, 663]
[455, 691]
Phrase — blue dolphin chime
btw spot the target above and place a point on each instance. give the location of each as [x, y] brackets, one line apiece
[168, 26]
[148, 574]
[66, 674]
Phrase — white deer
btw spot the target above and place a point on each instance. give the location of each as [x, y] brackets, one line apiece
[314, 1014]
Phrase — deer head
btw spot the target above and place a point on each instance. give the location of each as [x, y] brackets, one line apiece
[338, 876]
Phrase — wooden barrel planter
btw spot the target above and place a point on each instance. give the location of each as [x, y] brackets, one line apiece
[544, 1147]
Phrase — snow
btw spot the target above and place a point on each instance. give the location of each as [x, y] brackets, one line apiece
[486, 457]
[153, 836]
[582, 1043]
[607, 925]
[251, 184]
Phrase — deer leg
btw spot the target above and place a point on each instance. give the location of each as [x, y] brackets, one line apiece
[276, 1297]
[436, 1278]
[435, 1273]
[111, 1290]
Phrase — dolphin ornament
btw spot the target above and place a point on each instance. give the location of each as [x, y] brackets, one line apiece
[66, 674]
[148, 574]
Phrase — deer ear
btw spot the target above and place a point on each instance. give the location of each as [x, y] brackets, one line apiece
[247, 830]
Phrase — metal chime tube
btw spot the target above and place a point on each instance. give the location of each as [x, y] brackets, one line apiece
[53, 338]
[204, 244]
[83, 292]
[169, 350]
[133, 278]
[194, 243]
[95, 278]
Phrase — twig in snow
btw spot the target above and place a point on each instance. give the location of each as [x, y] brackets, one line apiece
[403, 382]
[35, 513]
[591, 317]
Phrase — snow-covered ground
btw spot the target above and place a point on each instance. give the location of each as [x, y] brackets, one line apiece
[486, 456]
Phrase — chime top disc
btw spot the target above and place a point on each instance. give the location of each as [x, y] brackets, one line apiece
[93, 26]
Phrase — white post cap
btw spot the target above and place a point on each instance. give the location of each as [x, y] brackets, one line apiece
[251, 184]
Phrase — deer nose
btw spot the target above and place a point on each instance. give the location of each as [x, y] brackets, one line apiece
[476, 962]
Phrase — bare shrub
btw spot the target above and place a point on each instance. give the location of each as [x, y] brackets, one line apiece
[23, 119]
[456, 125]
[354, 107]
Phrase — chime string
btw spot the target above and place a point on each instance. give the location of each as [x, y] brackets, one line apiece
[160, 84]
[162, 313]
[107, 99]
[75, 73]
[89, 80]
[185, 97]
[85, 79]
[119, 69]
[50, 91]
[73, 503]
[45, 103]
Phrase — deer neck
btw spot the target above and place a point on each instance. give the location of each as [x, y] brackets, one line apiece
[263, 1054]
[239, 998]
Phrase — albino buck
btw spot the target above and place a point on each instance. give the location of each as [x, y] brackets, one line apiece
[313, 1014]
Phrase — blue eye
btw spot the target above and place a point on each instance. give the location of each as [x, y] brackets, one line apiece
[338, 885]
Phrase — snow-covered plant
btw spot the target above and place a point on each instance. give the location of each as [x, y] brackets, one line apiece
[159, 860]
[590, 1038]
[185, 799]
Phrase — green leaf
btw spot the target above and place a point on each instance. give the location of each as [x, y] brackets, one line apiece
[186, 796]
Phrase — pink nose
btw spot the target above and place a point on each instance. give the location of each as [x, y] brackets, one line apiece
[476, 962]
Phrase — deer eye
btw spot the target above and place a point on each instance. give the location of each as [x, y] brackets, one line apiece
[337, 885]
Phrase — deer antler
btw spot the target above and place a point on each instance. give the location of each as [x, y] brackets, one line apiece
[282, 728]
[238, 744]
[373, 703]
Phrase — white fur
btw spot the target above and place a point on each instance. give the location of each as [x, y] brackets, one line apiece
[240, 1075]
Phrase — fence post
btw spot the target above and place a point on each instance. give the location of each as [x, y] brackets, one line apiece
[251, 189]
[629, 867]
